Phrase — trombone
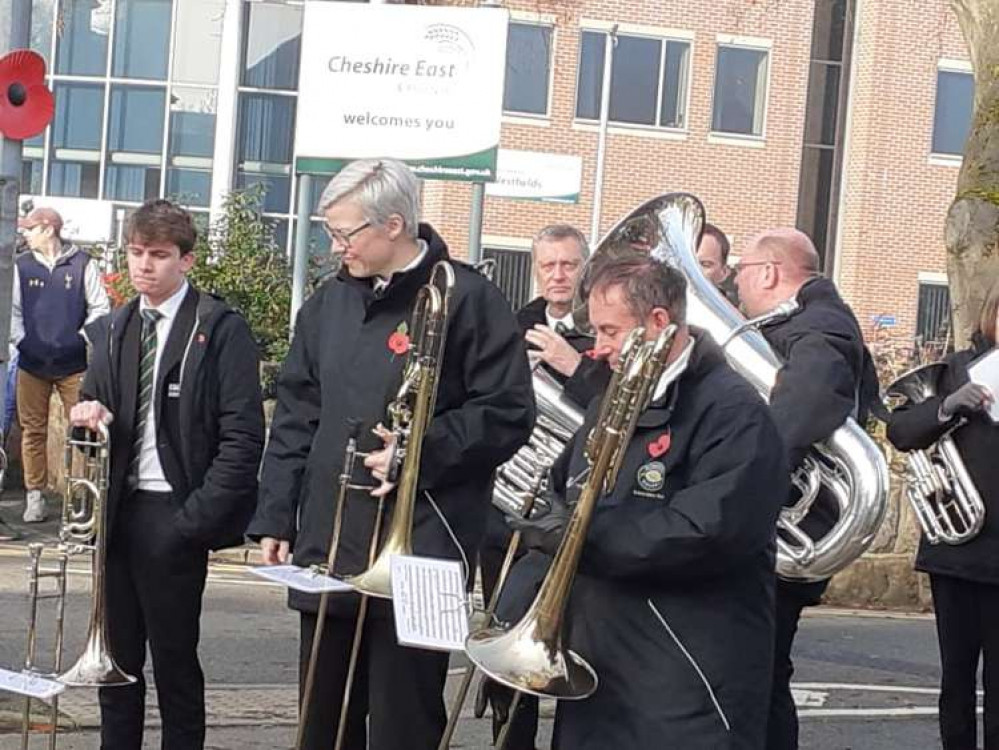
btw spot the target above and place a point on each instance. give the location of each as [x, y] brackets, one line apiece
[83, 529]
[409, 415]
[530, 656]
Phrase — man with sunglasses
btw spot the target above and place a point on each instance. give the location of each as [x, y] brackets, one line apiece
[344, 367]
[827, 376]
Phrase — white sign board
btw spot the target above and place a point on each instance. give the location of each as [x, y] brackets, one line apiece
[537, 176]
[417, 83]
[83, 220]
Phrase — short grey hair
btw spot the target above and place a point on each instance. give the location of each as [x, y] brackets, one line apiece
[556, 232]
[381, 187]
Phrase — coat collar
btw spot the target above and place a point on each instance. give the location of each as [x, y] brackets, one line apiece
[705, 357]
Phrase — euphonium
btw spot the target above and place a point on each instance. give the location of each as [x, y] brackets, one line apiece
[943, 496]
[530, 656]
[557, 421]
[849, 465]
[84, 520]
[409, 415]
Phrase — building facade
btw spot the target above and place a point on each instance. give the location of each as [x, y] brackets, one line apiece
[844, 117]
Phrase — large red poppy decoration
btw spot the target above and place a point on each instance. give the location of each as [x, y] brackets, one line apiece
[26, 105]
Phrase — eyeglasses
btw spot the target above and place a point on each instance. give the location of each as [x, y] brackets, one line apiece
[341, 237]
[740, 265]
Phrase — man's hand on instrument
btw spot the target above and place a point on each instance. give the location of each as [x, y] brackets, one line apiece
[544, 532]
[967, 399]
[380, 462]
[274, 551]
[90, 414]
[553, 350]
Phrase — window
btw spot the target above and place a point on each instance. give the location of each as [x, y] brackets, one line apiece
[83, 38]
[192, 143]
[74, 162]
[272, 45]
[933, 313]
[740, 91]
[135, 143]
[141, 39]
[953, 111]
[512, 275]
[197, 41]
[648, 80]
[528, 69]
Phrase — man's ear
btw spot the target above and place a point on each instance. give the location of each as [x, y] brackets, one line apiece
[660, 317]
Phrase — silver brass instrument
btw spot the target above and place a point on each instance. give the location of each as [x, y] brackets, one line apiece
[849, 464]
[530, 656]
[940, 490]
[558, 419]
[84, 528]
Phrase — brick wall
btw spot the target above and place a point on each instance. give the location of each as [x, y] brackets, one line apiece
[895, 196]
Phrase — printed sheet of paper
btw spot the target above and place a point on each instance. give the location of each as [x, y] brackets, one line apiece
[428, 597]
[301, 579]
[32, 685]
[986, 372]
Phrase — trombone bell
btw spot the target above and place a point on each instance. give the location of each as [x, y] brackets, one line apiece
[521, 660]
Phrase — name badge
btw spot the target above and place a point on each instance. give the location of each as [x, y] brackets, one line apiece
[173, 390]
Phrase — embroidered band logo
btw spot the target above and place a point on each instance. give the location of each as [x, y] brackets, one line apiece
[652, 476]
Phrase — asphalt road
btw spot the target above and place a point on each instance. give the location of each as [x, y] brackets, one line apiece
[864, 681]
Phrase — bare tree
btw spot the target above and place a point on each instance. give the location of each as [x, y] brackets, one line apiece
[972, 231]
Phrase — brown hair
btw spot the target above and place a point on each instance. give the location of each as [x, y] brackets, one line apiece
[646, 283]
[723, 244]
[162, 221]
[990, 311]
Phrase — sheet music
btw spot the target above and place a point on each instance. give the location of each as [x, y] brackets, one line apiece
[32, 685]
[428, 598]
[986, 372]
[301, 579]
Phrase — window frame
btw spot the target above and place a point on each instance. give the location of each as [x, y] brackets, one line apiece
[543, 22]
[663, 36]
[946, 65]
[764, 46]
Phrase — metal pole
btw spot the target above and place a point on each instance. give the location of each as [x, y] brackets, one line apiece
[15, 33]
[475, 222]
[598, 181]
[300, 267]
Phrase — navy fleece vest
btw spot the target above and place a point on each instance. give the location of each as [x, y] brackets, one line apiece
[53, 308]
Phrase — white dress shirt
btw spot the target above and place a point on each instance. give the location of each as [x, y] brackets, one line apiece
[565, 320]
[151, 476]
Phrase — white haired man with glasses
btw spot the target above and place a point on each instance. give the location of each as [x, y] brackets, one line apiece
[344, 366]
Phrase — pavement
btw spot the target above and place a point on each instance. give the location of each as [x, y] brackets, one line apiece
[865, 680]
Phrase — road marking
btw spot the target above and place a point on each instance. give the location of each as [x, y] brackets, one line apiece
[884, 713]
[867, 688]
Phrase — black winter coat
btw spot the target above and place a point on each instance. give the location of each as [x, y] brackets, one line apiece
[916, 426]
[827, 376]
[673, 605]
[533, 313]
[340, 368]
[210, 435]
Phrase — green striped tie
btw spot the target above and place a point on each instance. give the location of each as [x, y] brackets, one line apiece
[147, 367]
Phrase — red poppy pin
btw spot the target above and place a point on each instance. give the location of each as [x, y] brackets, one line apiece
[659, 446]
[398, 341]
[26, 105]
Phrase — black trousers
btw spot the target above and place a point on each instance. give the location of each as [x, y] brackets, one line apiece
[399, 690]
[967, 615]
[792, 598]
[491, 555]
[155, 580]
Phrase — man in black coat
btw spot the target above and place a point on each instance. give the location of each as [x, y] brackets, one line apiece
[672, 605]
[174, 374]
[344, 367]
[712, 254]
[826, 377]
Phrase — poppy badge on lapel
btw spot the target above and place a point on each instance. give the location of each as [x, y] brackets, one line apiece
[659, 446]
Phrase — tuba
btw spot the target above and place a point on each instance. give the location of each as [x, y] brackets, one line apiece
[849, 464]
[945, 500]
[530, 656]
